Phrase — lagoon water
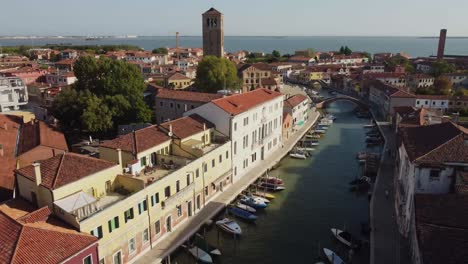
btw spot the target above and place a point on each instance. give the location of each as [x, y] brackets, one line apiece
[296, 225]
[415, 46]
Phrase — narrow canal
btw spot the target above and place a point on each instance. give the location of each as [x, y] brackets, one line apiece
[296, 225]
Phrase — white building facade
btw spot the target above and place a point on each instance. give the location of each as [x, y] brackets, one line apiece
[252, 120]
[13, 94]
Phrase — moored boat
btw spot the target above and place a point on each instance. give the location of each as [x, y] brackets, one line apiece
[266, 195]
[346, 238]
[253, 203]
[260, 199]
[273, 180]
[245, 207]
[298, 154]
[200, 242]
[199, 254]
[271, 187]
[332, 256]
[229, 226]
[242, 214]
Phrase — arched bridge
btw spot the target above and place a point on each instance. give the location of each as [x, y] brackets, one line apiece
[327, 101]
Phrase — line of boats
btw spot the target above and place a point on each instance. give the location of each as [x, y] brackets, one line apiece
[307, 144]
[244, 208]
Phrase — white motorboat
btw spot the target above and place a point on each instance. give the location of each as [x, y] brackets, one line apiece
[331, 117]
[305, 149]
[260, 199]
[346, 238]
[320, 131]
[199, 254]
[246, 207]
[298, 155]
[229, 226]
[332, 257]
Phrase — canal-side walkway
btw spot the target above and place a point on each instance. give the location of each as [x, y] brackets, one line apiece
[387, 245]
[185, 230]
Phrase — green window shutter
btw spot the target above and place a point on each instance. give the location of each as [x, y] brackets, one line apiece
[116, 222]
[110, 225]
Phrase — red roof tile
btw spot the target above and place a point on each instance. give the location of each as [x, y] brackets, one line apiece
[187, 126]
[143, 139]
[65, 168]
[177, 77]
[435, 144]
[8, 136]
[239, 103]
[295, 100]
[186, 95]
[41, 240]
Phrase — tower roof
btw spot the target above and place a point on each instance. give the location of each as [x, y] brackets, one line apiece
[212, 11]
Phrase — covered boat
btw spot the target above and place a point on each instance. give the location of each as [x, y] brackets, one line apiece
[229, 226]
[346, 238]
[242, 214]
[333, 257]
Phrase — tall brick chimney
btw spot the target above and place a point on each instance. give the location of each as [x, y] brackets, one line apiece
[440, 50]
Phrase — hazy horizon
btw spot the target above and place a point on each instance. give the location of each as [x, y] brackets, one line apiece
[367, 18]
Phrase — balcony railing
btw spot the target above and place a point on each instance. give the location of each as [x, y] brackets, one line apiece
[179, 196]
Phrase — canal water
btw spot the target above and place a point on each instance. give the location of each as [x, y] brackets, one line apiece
[296, 225]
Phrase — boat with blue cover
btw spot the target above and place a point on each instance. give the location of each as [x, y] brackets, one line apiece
[242, 214]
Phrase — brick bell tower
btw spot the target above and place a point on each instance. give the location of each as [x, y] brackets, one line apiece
[441, 48]
[213, 33]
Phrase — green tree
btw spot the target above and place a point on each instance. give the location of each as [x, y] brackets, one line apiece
[107, 93]
[442, 85]
[441, 67]
[461, 92]
[215, 73]
[311, 52]
[161, 50]
[276, 54]
[347, 51]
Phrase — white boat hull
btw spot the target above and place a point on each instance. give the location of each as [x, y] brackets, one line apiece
[200, 254]
[332, 257]
[246, 207]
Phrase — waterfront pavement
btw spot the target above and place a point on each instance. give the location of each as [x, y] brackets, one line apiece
[185, 230]
[387, 245]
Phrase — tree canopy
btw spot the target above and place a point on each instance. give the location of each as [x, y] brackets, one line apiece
[345, 50]
[215, 74]
[394, 61]
[440, 67]
[161, 50]
[107, 93]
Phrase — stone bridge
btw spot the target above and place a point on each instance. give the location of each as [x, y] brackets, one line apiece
[327, 101]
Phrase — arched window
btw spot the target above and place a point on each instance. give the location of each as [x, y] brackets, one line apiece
[215, 23]
[207, 22]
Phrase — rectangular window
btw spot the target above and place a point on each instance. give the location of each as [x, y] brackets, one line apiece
[227, 154]
[205, 167]
[188, 179]
[235, 126]
[142, 206]
[145, 235]
[97, 232]
[212, 163]
[143, 161]
[113, 224]
[157, 227]
[167, 191]
[220, 158]
[131, 246]
[155, 199]
[206, 191]
[177, 186]
[434, 175]
[128, 214]
[246, 121]
[235, 147]
[197, 173]
[179, 210]
[88, 260]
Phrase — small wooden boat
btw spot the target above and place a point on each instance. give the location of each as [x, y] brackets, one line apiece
[266, 195]
[253, 203]
[332, 256]
[273, 180]
[297, 155]
[199, 254]
[229, 226]
[346, 238]
[260, 199]
[271, 187]
[201, 242]
[242, 214]
[246, 207]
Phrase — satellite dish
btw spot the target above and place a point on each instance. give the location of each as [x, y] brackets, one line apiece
[169, 134]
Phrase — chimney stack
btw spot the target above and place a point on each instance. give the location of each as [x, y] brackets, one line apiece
[170, 128]
[119, 156]
[441, 49]
[37, 173]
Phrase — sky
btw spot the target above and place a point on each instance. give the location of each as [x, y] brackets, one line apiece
[241, 17]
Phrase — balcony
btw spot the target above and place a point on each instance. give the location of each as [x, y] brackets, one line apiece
[179, 197]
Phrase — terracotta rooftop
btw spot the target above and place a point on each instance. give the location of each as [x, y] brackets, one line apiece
[442, 227]
[186, 95]
[187, 126]
[295, 100]
[269, 81]
[177, 77]
[36, 236]
[39, 141]
[8, 136]
[65, 168]
[142, 139]
[435, 144]
[239, 103]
